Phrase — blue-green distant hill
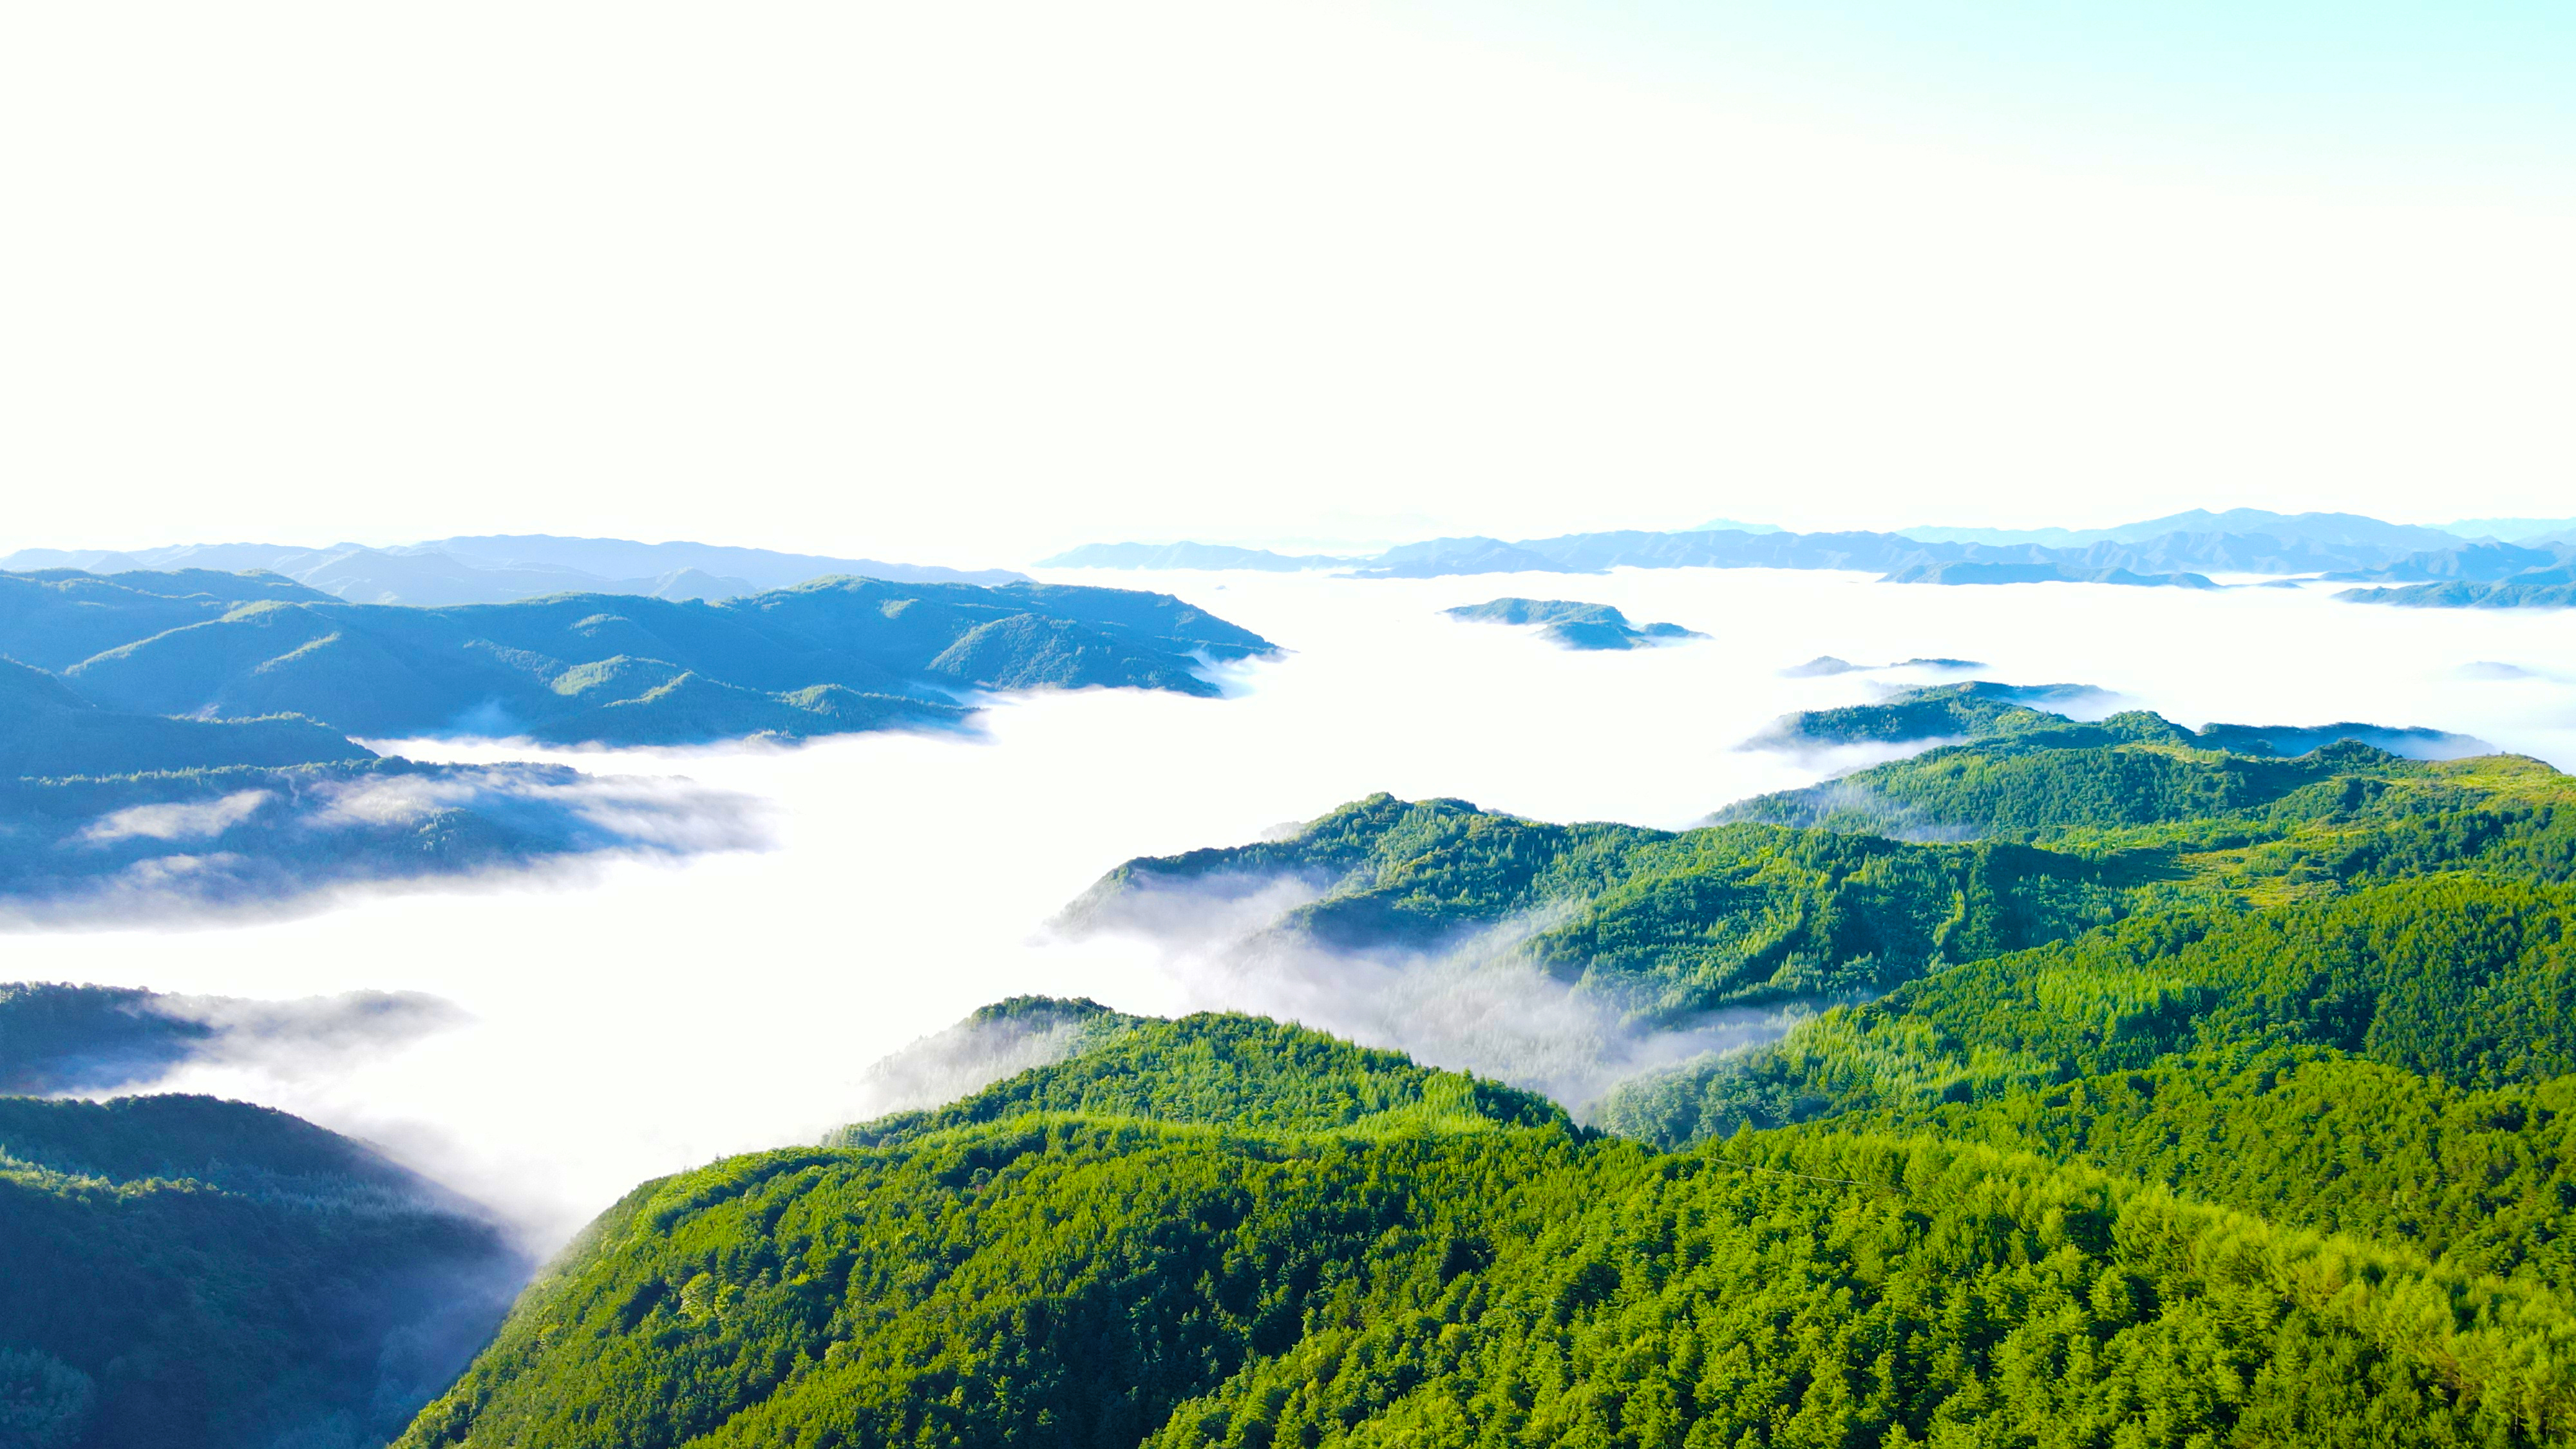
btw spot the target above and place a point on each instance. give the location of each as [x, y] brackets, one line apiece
[2549, 586]
[826, 657]
[2176, 551]
[182, 739]
[2041, 573]
[501, 568]
[1186, 555]
[1571, 624]
[135, 814]
[47, 730]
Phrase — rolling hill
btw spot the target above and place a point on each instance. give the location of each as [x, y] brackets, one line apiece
[824, 658]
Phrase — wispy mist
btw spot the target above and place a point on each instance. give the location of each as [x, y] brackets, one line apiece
[970, 1056]
[1475, 1001]
[306, 842]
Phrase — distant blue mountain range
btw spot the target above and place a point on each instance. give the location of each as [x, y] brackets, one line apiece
[2457, 564]
[502, 568]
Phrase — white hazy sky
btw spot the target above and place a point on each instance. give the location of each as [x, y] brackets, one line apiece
[971, 282]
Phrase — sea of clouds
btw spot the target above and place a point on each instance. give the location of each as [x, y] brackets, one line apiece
[609, 1027]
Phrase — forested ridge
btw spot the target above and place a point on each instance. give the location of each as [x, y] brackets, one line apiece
[2044, 830]
[2183, 1090]
[1069, 1276]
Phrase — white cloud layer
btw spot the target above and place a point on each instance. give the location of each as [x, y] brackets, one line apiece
[200, 820]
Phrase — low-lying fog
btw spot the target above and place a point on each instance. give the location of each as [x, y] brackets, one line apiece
[653, 1015]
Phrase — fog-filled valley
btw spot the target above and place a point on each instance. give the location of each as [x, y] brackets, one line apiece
[640, 1015]
[1315, 726]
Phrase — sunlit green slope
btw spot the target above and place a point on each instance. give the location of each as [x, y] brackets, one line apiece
[1429, 1272]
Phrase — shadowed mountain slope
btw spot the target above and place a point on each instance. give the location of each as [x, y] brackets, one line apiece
[823, 658]
[199, 1274]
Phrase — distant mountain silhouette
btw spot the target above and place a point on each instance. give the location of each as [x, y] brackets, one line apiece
[501, 568]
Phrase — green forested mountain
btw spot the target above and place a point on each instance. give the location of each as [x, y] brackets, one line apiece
[1199, 1255]
[2127, 771]
[1661, 923]
[2013, 714]
[1238, 1071]
[2044, 832]
[1975, 709]
[199, 1274]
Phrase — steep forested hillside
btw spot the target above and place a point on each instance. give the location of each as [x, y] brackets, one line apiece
[826, 657]
[199, 1274]
[1076, 1263]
